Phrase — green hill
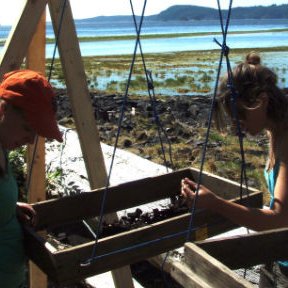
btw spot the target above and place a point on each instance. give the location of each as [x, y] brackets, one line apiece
[190, 12]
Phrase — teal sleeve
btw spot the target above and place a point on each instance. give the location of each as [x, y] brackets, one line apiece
[12, 256]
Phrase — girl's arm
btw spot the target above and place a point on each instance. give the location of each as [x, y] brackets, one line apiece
[253, 218]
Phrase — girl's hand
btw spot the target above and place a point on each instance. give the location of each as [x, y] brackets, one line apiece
[26, 214]
[206, 198]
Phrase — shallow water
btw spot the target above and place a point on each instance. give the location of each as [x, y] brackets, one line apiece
[164, 45]
[165, 77]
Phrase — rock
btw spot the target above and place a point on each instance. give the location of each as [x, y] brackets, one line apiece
[127, 143]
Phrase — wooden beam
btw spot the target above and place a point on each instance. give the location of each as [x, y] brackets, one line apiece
[19, 39]
[35, 60]
[148, 190]
[186, 277]
[77, 88]
[247, 250]
[213, 272]
[82, 109]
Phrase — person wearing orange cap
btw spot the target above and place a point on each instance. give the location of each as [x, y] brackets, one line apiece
[27, 109]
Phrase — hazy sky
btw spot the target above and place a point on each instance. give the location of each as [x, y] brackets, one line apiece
[91, 8]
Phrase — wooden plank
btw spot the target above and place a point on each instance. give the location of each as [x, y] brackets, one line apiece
[82, 109]
[186, 277]
[44, 257]
[148, 190]
[247, 250]
[21, 33]
[35, 60]
[211, 270]
[223, 187]
[77, 88]
[114, 252]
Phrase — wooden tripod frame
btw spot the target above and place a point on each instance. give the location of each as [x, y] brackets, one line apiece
[64, 266]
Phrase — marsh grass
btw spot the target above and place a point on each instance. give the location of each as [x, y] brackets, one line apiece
[189, 72]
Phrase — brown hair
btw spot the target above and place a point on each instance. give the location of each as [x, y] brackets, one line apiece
[249, 79]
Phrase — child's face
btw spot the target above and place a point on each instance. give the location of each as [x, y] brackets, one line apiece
[254, 118]
[14, 129]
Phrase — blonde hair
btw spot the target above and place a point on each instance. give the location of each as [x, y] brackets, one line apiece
[249, 79]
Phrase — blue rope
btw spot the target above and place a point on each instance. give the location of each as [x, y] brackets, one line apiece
[224, 53]
[234, 96]
[124, 104]
[152, 97]
[210, 117]
[57, 39]
[142, 244]
[225, 50]
[133, 247]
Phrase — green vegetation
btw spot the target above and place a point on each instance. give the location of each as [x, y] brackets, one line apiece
[17, 160]
[222, 158]
[187, 73]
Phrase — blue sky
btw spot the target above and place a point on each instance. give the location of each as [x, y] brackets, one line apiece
[92, 8]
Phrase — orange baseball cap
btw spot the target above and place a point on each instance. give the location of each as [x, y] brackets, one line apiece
[32, 93]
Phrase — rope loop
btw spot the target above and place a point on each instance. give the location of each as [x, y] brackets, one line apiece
[224, 47]
[150, 83]
[225, 50]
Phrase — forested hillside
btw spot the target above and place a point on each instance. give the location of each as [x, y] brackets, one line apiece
[189, 12]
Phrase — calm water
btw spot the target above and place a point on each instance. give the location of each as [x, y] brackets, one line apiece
[160, 45]
[157, 27]
[101, 48]
[268, 39]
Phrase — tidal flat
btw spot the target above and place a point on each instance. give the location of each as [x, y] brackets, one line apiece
[190, 73]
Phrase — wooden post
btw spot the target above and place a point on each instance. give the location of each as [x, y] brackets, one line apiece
[37, 192]
[19, 39]
[82, 109]
[36, 61]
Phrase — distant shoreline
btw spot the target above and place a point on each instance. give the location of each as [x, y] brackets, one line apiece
[167, 35]
[161, 36]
